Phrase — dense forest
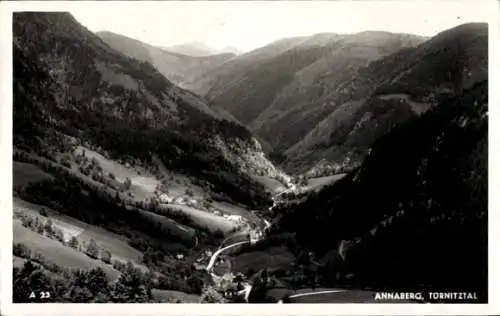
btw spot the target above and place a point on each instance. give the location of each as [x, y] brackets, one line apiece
[125, 119]
[416, 209]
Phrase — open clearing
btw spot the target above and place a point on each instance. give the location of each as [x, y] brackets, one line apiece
[317, 183]
[185, 232]
[70, 226]
[212, 221]
[230, 209]
[234, 238]
[275, 257]
[57, 253]
[143, 186]
[26, 173]
[168, 295]
[272, 185]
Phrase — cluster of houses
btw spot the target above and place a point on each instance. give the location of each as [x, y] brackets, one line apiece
[181, 200]
[234, 218]
[201, 262]
[255, 236]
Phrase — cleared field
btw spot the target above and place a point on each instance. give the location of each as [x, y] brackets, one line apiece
[57, 253]
[317, 183]
[271, 258]
[234, 238]
[270, 184]
[142, 186]
[70, 226]
[168, 296]
[175, 228]
[26, 173]
[231, 209]
[212, 221]
[178, 183]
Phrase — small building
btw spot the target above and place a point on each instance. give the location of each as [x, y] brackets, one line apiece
[178, 200]
[180, 256]
[198, 266]
[164, 198]
[235, 218]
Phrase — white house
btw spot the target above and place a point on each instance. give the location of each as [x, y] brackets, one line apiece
[164, 198]
[180, 256]
[178, 200]
[235, 218]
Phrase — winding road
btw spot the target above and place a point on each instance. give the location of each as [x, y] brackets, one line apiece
[307, 295]
[211, 263]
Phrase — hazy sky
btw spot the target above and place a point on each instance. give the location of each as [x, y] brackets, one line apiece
[248, 25]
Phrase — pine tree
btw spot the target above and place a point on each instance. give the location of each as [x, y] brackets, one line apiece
[106, 256]
[131, 287]
[210, 295]
[92, 249]
[48, 227]
[73, 242]
[127, 184]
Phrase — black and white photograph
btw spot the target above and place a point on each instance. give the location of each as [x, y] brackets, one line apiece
[277, 152]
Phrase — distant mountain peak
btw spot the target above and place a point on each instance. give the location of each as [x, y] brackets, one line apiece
[199, 49]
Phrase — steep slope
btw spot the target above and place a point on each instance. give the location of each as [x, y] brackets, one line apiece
[389, 91]
[414, 215]
[109, 143]
[73, 83]
[175, 66]
[304, 101]
[233, 70]
[277, 90]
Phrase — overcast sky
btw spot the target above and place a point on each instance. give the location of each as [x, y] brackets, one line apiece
[248, 25]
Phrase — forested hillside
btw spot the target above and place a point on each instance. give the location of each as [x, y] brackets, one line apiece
[177, 67]
[413, 216]
[78, 86]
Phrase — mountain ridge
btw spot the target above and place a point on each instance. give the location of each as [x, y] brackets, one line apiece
[392, 211]
[175, 66]
[152, 103]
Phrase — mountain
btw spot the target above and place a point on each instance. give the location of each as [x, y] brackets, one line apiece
[121, 178]
[197, 49]
[389, 91]
[72, 84]
[235, 69]
[280, 90]
[413, 216]
[176, 67]
[320, 101]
